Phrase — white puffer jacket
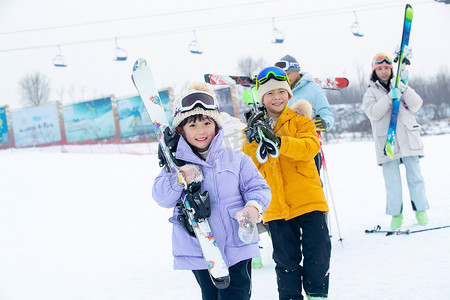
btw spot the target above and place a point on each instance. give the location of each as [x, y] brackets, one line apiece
[378, 107]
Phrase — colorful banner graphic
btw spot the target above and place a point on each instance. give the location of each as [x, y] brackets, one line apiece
[4, 134]
[134, 121]
[164, 96]
[224, 97]
[37, 125]
[133, 118]
[90, 120]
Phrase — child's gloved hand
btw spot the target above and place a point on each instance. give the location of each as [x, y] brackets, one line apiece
[259, 115]
[247, 217]
[250, 213]
[268, 133]
[190, 174]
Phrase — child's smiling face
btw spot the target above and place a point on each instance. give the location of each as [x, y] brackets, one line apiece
[199, 132]
[275, 101]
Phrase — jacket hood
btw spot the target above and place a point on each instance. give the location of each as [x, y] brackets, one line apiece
[303, 108]
[306, 78]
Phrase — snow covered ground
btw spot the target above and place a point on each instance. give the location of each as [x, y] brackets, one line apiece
[84, 226]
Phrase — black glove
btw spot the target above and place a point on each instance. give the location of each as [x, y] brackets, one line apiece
[171, 140]
[252, 117]
[251, 134]
[199, 202]
[268, 132]
[321, 125]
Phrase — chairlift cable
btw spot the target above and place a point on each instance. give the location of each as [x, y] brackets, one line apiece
[164, 14]
[215, 26]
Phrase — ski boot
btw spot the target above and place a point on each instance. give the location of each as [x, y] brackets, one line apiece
[396, 222]
[257, 262]
[422, 218]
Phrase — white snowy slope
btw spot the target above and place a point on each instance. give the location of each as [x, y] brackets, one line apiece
[84, 226]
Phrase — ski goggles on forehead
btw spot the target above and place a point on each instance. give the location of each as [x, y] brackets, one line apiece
[194, 99]
[382, 58]
[271, 73]
[285, 65]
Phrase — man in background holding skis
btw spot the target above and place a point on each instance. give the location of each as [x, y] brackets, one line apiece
[304, 87]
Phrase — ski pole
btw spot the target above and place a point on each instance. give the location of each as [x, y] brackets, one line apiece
[328, 190]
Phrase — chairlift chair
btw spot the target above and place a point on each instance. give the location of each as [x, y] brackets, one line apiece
[58, 59]
[121, 54]
[279, 37]
[194, 46]
[355, 27]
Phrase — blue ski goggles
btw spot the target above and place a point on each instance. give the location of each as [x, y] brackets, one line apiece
[271, 73]
[194, 99]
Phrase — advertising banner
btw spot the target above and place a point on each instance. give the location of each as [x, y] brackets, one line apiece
[4, 134]
[90, 120]
[134, 120]
[164, 96]
[37, 125]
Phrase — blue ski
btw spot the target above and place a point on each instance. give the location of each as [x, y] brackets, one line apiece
[389, 148]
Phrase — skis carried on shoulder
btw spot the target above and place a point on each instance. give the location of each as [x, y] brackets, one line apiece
[328, 83]
[377, 229]
[143, 80]
[265, 146]
[389, 148]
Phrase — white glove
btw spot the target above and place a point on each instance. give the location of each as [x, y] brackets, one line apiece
[395, 92]
[404, 75]
[247, 217]
[402, 86]
[407, 53]
[191, 173]
[250, 213]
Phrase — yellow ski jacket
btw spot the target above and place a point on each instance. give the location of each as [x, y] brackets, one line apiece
[292, 176]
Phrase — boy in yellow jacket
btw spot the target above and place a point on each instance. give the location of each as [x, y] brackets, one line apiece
[296, 214]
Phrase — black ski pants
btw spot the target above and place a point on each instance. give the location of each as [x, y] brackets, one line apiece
[301, 251]
[240, 287]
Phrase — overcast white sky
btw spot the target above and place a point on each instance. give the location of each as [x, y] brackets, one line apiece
[317, 33]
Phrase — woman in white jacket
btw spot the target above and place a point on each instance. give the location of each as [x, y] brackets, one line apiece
[377, 105]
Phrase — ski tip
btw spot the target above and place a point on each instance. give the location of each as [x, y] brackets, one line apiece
[139, 64]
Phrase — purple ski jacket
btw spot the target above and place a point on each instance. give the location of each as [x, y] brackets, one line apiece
[232, 179]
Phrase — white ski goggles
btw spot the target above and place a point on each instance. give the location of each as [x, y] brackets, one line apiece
[285, 65]
[194, 99]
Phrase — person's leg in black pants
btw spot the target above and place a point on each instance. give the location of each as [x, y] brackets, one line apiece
[287, 255]
[240, 285]
[316, 253]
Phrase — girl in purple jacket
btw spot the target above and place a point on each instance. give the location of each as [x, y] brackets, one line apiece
[236, 189]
